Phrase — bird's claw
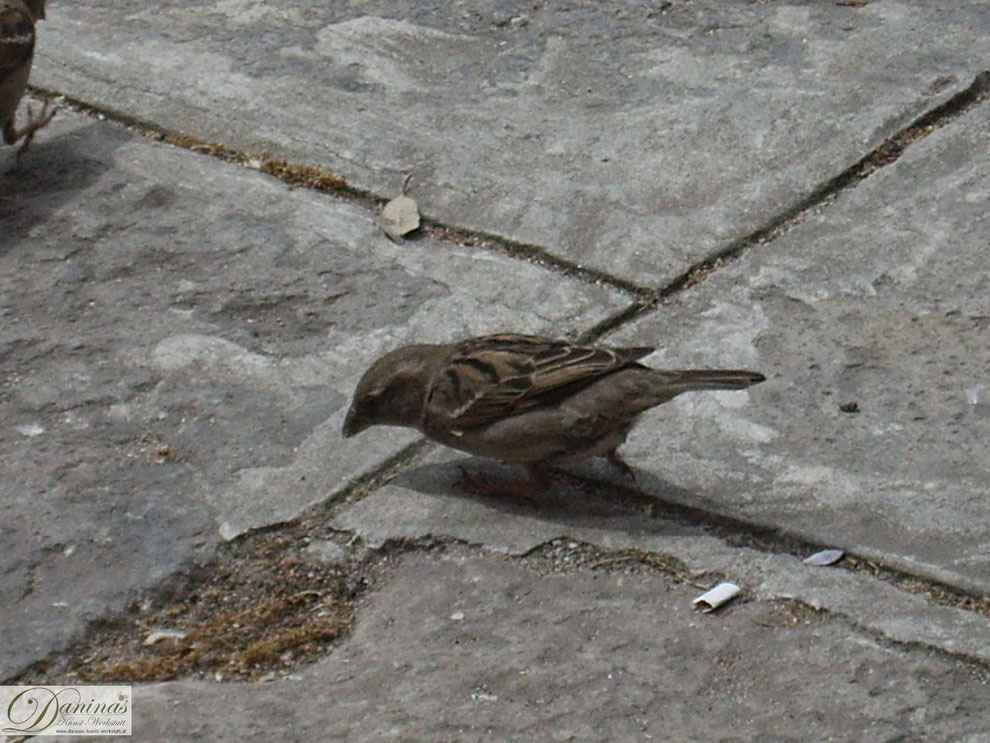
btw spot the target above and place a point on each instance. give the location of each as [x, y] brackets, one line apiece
[33, 125]
[614, 457]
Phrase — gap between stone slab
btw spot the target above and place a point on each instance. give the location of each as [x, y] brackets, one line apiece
[228, 630]
[309, 176]
[880, 157]
[647, 299]
[671, 565]
[741, 533]
[304, 175]
[732, 530]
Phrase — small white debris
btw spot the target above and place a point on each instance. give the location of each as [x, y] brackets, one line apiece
[480, 695]
[973, 396]
[457, 616]
[720, 594]
[30, 429]
[158, 635]
[399, 217]
[254, 163]
[825, 557]
[69, 551]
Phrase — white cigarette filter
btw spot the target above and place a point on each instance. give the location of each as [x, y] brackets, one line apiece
[714, 598]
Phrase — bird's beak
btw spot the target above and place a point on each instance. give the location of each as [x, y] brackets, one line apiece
[353, 424]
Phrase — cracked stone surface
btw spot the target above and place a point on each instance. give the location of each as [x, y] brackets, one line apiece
[179, 336]
[179, 339]
[882, 299]
[511, 654]
[426, 501]
[632, 138]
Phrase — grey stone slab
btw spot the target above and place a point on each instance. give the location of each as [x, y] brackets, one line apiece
[178, 339]
[472, 649]
[426, 501]
[882, 300]
[632, 138]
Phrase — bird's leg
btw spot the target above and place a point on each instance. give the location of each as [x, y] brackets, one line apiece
[11, 134]
[615, 458]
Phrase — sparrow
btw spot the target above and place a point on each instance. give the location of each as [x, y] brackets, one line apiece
[535, 401]
[17, 19]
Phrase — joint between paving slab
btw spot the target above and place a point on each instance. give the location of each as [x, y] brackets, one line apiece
[704, 580]
[355, 489]
[593, 557]
[738, 532]
[734, 531]
[537, 255]
[303, 175]
[309, 176]
[885, 640]
[613, 322]
[880, 157]
[123, 630]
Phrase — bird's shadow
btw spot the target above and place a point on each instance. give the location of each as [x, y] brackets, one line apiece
[578, 498]
[58, 168]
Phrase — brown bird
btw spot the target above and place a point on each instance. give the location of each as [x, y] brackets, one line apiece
[521, 398]
[17, 19]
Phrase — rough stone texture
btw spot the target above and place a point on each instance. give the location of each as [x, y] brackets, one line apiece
[635, 138]
[179, 338]
[426, 501]
[883, 300]
[473, 649]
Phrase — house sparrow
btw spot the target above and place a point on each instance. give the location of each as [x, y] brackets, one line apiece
[521, 398]
[17, 18]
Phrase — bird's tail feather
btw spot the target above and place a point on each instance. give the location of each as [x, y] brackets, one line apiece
[715, 379]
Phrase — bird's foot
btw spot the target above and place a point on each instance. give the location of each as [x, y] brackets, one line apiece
[34, 124]
[615, 458]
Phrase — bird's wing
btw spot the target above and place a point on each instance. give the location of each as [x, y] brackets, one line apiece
[488, 378]
[16, 37]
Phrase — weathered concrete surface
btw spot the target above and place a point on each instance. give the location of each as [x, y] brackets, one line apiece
[426, 501]
[883, 300]
[478, 648]
[179, 337]
[630, 137]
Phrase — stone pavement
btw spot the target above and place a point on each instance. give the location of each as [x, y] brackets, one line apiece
[798, 188]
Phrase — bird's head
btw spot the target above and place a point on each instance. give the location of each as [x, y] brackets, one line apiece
[393, 390]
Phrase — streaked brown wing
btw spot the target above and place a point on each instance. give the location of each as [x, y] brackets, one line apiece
[493, 376]
[16, 36]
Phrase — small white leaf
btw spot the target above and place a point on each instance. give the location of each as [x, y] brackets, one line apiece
[399, 217]
[825, 557]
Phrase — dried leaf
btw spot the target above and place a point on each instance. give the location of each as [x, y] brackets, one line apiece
[825, 557]
[399, 217]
